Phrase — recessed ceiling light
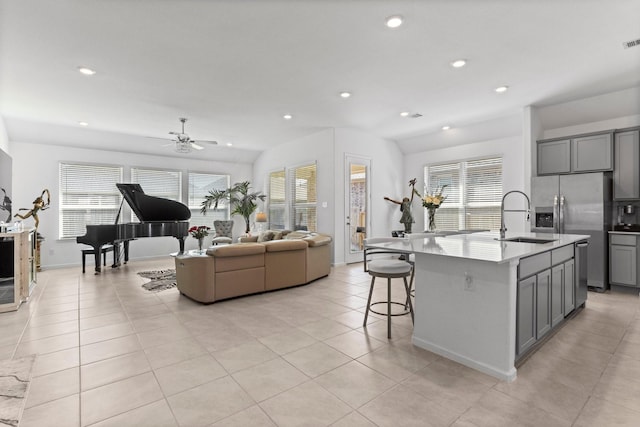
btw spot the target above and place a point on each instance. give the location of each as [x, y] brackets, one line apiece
[86, 71]
[345, 94]
[83, 123]
[459, 63]
[394, 21]
[502, 89]
[446, 127]
[405, 114]
[229, 144]
[287, 117]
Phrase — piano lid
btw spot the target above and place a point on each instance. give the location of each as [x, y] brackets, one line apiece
[150, 208]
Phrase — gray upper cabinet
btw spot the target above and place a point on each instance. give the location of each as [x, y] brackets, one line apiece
[626, 175]
[584, 153]
[592, 153]
[554, 157]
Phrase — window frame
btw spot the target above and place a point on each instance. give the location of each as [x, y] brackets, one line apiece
[62, 207]
[289, 205]
[463, 206]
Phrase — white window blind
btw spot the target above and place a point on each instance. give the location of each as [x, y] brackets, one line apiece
[449, 214]
[88, 195]
[199, 186]
[166, 184]
[277, 200]
[483, 189]
[303, 200]
[474, 192]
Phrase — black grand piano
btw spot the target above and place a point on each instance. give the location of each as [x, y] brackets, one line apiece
[158, 216]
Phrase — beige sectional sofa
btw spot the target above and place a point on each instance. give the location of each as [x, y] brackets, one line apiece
[228, 271]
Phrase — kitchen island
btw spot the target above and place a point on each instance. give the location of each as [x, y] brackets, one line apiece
[467, 305]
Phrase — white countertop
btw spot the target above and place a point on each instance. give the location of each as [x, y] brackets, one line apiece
[625, 232]
[481, 246]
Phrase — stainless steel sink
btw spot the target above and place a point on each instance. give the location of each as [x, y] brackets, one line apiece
[528, 240]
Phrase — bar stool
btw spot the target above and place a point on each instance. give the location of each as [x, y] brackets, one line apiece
[389, 269]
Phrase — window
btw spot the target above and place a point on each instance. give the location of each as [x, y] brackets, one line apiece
[88, 195]
[199, 186]
[474, 193]
[166, 184]
[302, 204]
[277, 200]
[292, 198]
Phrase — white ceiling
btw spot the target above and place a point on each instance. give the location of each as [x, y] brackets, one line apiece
[235, 67]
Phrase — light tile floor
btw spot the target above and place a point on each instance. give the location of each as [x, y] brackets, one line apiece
[112, 354]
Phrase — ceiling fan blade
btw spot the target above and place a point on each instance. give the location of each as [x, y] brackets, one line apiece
[174, 133]
[202, 141]
[196, 146]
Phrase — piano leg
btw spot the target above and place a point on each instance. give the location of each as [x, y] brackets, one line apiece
[126, 251]
[181, 240]
[97, 252]
[116, 254]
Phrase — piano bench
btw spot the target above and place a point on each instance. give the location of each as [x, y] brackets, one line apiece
[103, 250]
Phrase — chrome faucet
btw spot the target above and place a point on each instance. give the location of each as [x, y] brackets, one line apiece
[503, 229]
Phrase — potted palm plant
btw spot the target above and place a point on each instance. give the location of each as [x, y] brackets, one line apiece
[241, 200]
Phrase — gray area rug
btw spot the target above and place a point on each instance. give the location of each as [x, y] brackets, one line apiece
[15, 376]
[160, 279]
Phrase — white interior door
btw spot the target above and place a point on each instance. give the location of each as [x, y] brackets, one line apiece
[358, 221]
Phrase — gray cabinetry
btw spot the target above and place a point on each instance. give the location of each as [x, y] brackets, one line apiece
[554, 157]
[546, 294]
[591, 153]
[526, 314]
[577, 154]
[569, 288]
[557, 288]
[623, 260]
[543, 303]
[626, 174]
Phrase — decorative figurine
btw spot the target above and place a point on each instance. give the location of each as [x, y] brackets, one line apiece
[6, 205]
[405, 207]
[38, 205]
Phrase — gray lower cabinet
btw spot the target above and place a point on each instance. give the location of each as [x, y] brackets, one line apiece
[546, 294]
[623, 260]
[626, 174]
[543, 303]
[569, 288]
[526, 314]
[557, 289]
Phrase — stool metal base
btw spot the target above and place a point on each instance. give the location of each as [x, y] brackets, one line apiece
[388, 302]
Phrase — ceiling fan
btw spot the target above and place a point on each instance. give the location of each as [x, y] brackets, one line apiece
[184, 143]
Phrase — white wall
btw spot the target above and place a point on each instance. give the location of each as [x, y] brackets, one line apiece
[35, 167]
[4, 139]
[317, 147]
[511, 150]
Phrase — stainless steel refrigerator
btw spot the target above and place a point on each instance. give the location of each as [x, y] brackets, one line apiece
[577, 204]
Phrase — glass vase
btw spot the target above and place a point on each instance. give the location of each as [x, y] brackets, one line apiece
[431, 214]
[200, 240]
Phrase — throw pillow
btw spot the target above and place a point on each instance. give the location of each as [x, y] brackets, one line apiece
[277, 235]
[265, 236]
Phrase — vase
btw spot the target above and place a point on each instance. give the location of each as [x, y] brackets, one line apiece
[431, 213]
[200, 240]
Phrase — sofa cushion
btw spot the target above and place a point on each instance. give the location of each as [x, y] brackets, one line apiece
[285, 245]
[297, 235]
[318, 240]
[266, 236]
[237, 249]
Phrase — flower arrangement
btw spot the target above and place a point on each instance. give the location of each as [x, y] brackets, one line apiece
[433, 201]
[199, 231]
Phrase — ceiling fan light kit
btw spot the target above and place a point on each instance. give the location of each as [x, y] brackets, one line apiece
[183, 142]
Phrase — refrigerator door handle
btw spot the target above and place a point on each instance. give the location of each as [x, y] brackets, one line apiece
[561, 214]
[555, 214]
